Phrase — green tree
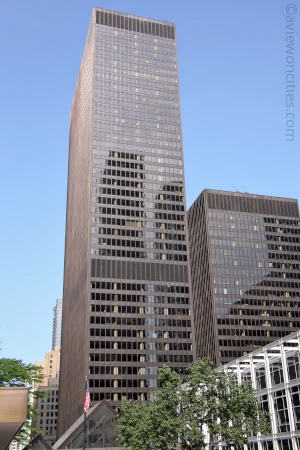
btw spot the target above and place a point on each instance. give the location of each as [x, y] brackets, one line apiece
[210, 403]
[13, 372]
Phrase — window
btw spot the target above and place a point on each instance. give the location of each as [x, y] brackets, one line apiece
[276, 373]
[293, 366]
[295, 397]
[260, 374]
[281, 412]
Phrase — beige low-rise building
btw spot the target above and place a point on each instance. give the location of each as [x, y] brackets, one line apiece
[50, 365]
[47, 406]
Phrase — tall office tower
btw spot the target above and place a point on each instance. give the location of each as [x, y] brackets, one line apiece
[245, 271]
[126, 304]
[56, 328]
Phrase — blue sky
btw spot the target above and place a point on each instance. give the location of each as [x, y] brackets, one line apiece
[232, 66]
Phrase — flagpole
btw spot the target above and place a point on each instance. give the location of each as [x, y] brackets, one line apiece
[85, 408]
[84, 430]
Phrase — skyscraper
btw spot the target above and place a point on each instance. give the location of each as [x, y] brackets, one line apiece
[245, 271]
[126, 308]
[56, 329]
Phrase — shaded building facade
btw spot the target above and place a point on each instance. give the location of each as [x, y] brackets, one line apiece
[245, 271]
[126, 308]
[47, 407]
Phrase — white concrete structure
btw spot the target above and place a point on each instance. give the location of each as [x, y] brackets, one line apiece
[275, 375]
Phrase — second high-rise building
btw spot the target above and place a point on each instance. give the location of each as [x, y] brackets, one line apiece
[245, 270]
[126, 308]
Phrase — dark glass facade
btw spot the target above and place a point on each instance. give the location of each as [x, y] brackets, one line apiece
[245, 270]
[126, 307]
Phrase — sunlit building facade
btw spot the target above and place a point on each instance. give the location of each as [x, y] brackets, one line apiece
[126, 308]
[57, 321]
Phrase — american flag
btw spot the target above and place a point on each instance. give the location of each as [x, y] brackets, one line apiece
[86, 404]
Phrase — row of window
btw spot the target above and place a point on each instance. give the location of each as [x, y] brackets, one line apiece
[138, 224]
[236, 226]
[139, 310]
[96, 396]
[122, 114]
[138, 244]
[285, 238]
[123, 345]
[237, 310]
[288, 248]
[141, 54]
[131, 194]
[247, 321]
[131, 333]
[152, 300]
[145, 127]
[283, 230]
[149, 110]
[251, 333]
[239, 262]
[151, 371]
[142, 255]
[163, 148]
[257, 302]
[118, 98]
[242, 244]
[129, 321]
[149, 72]
[160, 63]
[121, 46]
[135, 234]
[47, 406]
[287, 283]
[247, 344]
[289, 275]
[139, 287]
[153, 357]
[118, 202]
[116, 298]
[136, 204]
[47, 421]
[126, 183]
[110, 35]
[107, 130]
[286, 256]
[277, 265]
[169, 139]
[118, 383]
[49, 414]
[244, 217]
[235, 252]
[236, 234]
[240, 272]
[282, 221]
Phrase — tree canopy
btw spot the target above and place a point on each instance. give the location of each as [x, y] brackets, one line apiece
[13, 372]
[210, 407]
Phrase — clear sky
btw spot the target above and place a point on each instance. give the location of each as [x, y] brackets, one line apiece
[232, 66]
